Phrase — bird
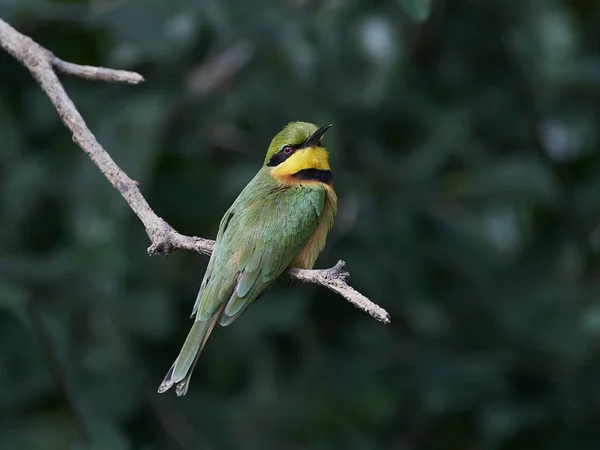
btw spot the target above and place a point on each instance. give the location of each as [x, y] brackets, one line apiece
[280, 219]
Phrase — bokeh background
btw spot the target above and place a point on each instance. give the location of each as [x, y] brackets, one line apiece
[465, 153]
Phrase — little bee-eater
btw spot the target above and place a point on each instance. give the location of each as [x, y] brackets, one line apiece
[280, 219]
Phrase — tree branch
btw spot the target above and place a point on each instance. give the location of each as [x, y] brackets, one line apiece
[95, 73]
[43, 65]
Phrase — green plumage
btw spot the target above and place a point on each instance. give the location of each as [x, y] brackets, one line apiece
[259, 236]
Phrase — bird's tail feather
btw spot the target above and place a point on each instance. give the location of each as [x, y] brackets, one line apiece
[181, 371]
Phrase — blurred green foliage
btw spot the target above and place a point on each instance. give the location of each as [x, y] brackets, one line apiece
[465, 153]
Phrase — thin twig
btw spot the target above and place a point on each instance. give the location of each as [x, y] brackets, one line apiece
[96, 73]
[336, 279]
[164, 239]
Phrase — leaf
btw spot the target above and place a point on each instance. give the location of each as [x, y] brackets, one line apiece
[417, 10]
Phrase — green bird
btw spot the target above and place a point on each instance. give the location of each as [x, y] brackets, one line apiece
[280, 219]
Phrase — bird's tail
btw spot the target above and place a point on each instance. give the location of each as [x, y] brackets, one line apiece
[181, 371]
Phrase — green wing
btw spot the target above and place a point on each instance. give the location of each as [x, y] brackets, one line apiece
[258, 237]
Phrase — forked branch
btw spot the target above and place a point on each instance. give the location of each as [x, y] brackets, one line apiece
[43, 65]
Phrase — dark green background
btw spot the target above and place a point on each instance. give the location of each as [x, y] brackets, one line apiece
[465, 150]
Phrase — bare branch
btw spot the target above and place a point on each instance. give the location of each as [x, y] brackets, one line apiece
[336, 279]
[164, 239]
[96, 73]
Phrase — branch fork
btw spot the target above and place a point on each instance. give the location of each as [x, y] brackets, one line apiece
[44, 66]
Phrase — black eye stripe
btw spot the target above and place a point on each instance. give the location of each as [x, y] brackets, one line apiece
[281, 156]
[278, 158]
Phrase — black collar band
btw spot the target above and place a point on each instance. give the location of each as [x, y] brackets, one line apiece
[324, 176]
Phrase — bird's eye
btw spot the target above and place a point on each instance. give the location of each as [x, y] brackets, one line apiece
[287, 150]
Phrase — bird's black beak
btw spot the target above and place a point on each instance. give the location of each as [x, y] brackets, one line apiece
[313, 139]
